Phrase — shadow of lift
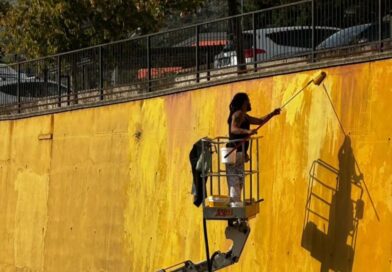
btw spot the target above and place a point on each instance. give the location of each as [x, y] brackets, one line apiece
[333, 209]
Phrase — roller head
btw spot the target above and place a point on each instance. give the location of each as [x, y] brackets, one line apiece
[320, 78]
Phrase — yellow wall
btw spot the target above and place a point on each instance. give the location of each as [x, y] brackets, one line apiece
[111, 190]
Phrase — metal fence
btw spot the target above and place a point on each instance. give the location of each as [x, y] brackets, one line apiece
[305, 31]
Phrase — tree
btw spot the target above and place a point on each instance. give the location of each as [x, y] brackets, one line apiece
[235, 31]
[236, 24]
[4, 8]
[37, 28]
[209, 10]
[251, 5]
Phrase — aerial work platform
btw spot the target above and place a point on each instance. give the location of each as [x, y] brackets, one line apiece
[217, 204]
[217, 154]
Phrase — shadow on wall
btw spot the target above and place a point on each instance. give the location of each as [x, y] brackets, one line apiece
[333, 209]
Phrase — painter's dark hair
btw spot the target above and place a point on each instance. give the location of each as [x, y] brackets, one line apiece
[236, 104]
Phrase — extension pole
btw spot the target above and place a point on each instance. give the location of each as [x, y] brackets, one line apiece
[317, 81]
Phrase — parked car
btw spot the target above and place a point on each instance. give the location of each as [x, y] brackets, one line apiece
[273, 43]
[7, 73]
[30, 87]
[356, 35]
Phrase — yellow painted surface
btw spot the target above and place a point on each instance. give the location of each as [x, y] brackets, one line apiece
[109, 188]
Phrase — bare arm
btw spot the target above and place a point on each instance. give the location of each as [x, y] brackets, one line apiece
[263, 120]
[237, 119]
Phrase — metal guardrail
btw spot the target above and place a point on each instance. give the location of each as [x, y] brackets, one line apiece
[218, 173]
[305, 31]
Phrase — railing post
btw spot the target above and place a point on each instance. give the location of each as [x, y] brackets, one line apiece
[46, 71]
[100, 72]
[59, 80]
[380, 25]
[18, 88]
[313, 32]
[197, 54]
[149, 62]
[68, 90]
[254, 42]
[83, 78]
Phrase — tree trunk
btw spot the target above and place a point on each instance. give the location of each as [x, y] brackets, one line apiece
[235, 35]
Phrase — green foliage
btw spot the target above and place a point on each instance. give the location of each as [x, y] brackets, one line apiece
[37, 28]
[4, 7]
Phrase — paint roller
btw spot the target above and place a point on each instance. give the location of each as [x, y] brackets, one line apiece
[320, 78]
[317, 81]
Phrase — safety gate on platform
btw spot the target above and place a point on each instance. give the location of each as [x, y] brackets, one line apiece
[217, 204]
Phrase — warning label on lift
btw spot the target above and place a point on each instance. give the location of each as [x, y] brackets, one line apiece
[224, 212]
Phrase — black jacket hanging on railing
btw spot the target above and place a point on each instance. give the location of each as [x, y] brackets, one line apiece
[198, 161]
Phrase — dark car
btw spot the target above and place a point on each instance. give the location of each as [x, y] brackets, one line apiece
[357, 34]
[30, 87]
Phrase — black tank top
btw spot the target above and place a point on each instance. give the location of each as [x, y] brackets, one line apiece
[244, 125]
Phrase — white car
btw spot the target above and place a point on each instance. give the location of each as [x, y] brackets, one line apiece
[273, 43]
[7, 73]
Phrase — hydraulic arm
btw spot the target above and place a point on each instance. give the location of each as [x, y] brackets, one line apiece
[238, 232]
